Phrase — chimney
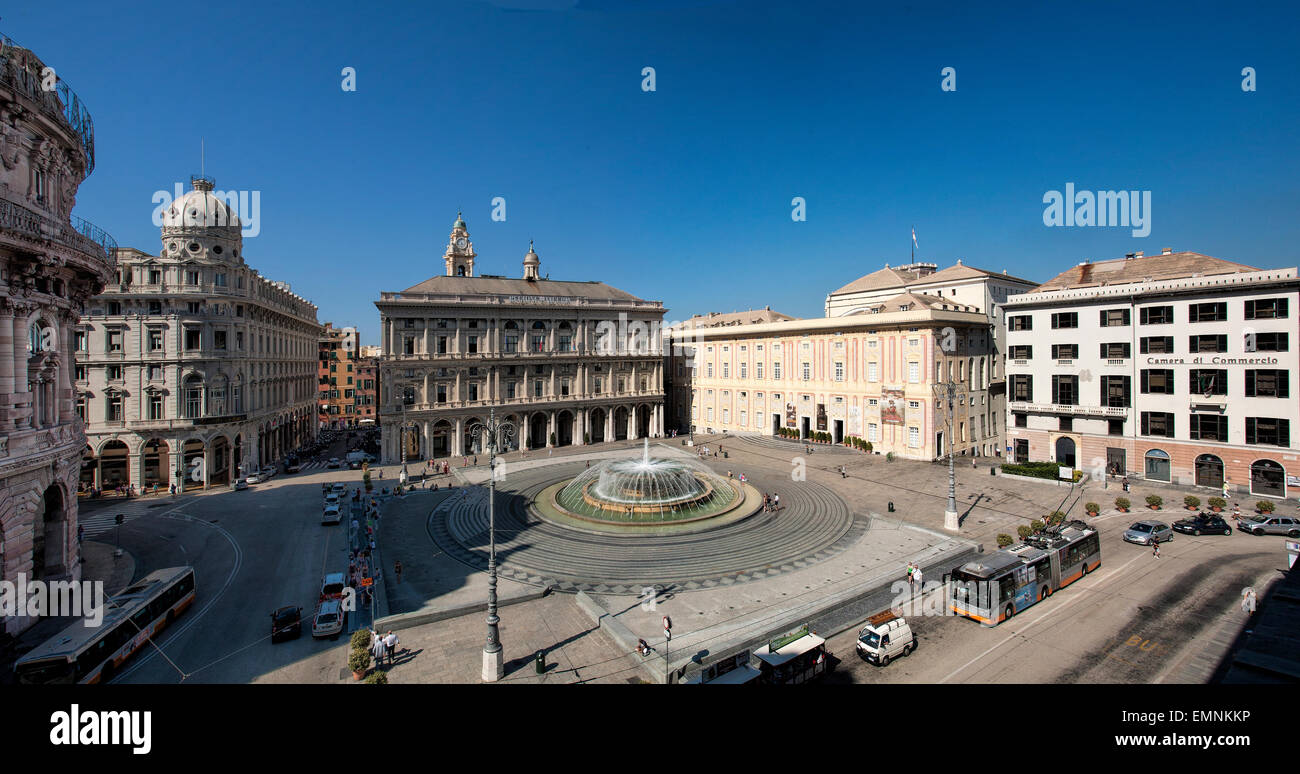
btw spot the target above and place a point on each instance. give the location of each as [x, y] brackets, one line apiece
[1138, 254]
[959, 262]
[1128, 256]
[1166, 250]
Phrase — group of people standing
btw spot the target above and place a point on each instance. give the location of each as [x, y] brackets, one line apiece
[914, 577]
[771, 502]
[383, 647]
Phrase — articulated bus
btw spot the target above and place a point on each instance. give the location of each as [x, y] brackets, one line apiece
[82, 654]
[992, 589]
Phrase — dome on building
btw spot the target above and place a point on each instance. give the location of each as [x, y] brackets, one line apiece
[200, 208]
[460, 223]
[531, 259]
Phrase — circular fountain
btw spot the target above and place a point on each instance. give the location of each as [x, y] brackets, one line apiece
[647, 491]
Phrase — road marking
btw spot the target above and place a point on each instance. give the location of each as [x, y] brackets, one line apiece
[1100, 581]
[176, 633]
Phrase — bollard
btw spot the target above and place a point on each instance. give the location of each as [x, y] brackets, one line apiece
[993, 471]
[541, 662]
[891, 506]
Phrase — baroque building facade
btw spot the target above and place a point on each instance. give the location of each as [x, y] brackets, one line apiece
[51, 263]
[564, 362]
[339, 360]
[1173, 367]
[192, 368]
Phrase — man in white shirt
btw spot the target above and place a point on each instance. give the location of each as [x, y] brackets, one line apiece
[390, 640]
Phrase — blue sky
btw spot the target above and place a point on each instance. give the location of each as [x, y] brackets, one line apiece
[684, 194]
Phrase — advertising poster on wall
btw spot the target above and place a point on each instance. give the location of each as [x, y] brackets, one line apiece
[791, 417]
[891, 407]
[821, 417]
[855, 420]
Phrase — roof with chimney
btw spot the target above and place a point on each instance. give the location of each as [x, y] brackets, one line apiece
[749, 317]
[1137, 267]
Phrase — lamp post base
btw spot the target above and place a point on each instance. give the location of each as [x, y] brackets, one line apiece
[951, 521]
[493, 667]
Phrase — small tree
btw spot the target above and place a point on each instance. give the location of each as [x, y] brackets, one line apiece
[1192, 501]
[1265, 506]
[552, 439]
[1005, 540]
[359, 661]
[1037, 525]
[377, 678]
[1122, 503]
[1217, 502]
[868, 447]
[1092, 508]
[1024, 531]
[1055, 517]
[586, 438]
[361, 639]
[1155, 501]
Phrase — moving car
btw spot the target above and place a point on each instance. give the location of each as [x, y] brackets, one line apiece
[1270, 525]
[885, 637]
[329, 619]
[331, 500]
[338, 487]
[240, 484]
[331, 515]
[1147, 531]
[286, 623]
[256, 478]
[333, 463]
[293, 467]
[333, 585]
[1203, 523]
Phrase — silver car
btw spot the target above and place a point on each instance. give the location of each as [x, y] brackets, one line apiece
[1270, 525]
[1146, 532]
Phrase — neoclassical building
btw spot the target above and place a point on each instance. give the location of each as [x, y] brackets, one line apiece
[192, 368]
[565, 362]
[51, 263]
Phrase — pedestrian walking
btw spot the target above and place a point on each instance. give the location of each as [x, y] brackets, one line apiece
[549, 451]
[1155, 548]
[919, 585]
[390, 641]
[381, 650]
[767, 502]
[173, 490]
[1225, 488]
[476, 459]
[776, 502]
[1248, 600]
[397, 570]
[911, 583]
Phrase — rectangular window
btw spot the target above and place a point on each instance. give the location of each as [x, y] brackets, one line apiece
[839, 372]
[708, 370]
[564, 386]
[1268, 384]
[155, 340]
[873, 433]
[776, 370]
[1021, 419]
[80, 373]
[155, 307]
[113, 408]
[1065, 424]
[1208, 427]
[1065, 390]
[1021, 322]
[1111, 318]
[219, 339]
[1204, 381]
[1115, 427]
[1266, 309]
[1157, 423]
[1215, 311]
[758, 370]
[914, 437]
[744, 371]
[1065, 320]
[873, 371]
[155, 277]
[536, 343]
[511, 344]
[1117, 350]
[80, 341]
[1266, 342]
[1157, 381]
[1156, 345]
[510, 391]
[155, 406]
[726, 370]
[805, 370]
[1115, 391]
[1065, 351]
[1022, 352]
[114, 341]
[1214, 343]
[1268, 431]
[914, 372]
[537, 388]
[1156, 315]
[599, 385]
[114, 373]
[473, 391]
[191, 277]
[155, 373]
[1022, 388]
[471, 342]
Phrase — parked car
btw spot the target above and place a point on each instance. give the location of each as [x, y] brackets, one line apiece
[1203, 523]
[885, 637]
[240, 484]
[256, 478]
[333, 463]
[286, 623]
[329, 619]
[332, 586]
[293, 467]
[331, 515]
[338, 487]
[268, 472]
[1270, 525]
[1147, 531]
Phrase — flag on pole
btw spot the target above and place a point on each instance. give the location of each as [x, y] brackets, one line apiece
[914, 244]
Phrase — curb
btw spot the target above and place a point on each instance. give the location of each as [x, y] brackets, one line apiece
[616, 629]
[422, 617]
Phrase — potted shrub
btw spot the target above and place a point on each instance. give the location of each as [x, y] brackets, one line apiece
[1092, 508]
[377, 678]
[1217, 503]
[1192, 502]
[868, 447]
[1055, 517]
[1122, 503]
[361, 639]
[1005, 540]
[552, 439]
[359, 662]
[1265, 506]
[1037, 525]
[586, 438]
[1154, 502]
[1024, 531]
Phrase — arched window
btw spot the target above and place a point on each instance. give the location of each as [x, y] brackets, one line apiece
[1209, 471]
[193, 396]
[1267, 478]
[1157, 465]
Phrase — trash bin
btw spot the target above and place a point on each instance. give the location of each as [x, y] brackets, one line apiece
[541, 662]
[891, 506]
[724, 455]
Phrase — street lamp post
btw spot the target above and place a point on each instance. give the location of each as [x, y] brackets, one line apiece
[951, 521]
[498, 434]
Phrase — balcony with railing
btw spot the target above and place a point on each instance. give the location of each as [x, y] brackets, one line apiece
[21, 71]
[1107, 412]
[77, 233]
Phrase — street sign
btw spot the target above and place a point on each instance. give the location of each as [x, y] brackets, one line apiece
[367, 582]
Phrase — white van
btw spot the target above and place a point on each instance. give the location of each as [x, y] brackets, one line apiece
[885, 637]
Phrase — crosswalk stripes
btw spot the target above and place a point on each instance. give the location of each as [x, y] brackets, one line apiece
[105, 519]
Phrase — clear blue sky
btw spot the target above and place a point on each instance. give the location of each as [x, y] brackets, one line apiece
[683, 194]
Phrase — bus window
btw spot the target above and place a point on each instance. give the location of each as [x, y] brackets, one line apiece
[1006, 587]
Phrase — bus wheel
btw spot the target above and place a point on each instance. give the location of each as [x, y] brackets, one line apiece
[1085, 568]
[1010, 611]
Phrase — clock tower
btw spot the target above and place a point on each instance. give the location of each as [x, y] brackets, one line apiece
[460, 251]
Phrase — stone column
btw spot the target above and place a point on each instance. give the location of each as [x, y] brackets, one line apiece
[525, 426]
[207, 465]
[459, 448]
[135, 470]
[580, 427]
[609, 423]
[20, 396]
[6, 362]
[552, 421]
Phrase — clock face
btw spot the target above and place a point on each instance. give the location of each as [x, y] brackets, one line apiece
[461, 242]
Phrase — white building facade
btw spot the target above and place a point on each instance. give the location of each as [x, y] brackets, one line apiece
[192, 368]
[1175, 368]
[563, 362]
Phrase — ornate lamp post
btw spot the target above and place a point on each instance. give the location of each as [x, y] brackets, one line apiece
[499, 434]
[946, 394]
